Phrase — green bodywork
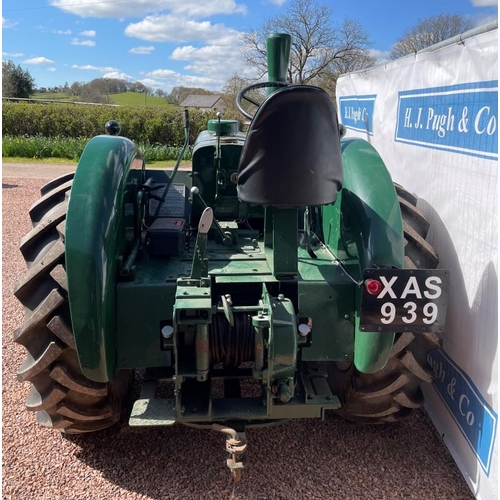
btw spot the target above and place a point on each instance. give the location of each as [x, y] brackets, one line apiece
[116, 322]
[123, 296]
[96, 245]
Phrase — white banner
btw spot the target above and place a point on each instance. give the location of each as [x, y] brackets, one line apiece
[433, 117]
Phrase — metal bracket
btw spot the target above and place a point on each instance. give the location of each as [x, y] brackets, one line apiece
[236, 447]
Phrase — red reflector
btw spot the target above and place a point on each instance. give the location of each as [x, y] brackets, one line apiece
[373, 287]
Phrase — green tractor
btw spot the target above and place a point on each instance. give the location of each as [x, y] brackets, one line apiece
[284, 276]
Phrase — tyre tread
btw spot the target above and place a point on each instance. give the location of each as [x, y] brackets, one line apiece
[394, 392]
[60, 394]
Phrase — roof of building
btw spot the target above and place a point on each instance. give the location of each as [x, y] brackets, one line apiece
[200, 101]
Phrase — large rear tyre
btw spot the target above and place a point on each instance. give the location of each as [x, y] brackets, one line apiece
[60, 394]
[392, 393]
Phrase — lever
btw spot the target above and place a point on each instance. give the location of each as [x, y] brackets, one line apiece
[199, 268]
[227, 239]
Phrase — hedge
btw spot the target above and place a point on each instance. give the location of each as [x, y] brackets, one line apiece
[145, 125]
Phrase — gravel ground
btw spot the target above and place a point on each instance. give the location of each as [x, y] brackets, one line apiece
[306, 459]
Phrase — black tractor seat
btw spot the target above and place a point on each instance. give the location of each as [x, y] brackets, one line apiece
[291, 157]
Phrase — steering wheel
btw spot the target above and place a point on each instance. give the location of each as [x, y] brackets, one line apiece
[242, 95]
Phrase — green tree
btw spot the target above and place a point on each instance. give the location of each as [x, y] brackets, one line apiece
[318, 45]
[428, 32]
[16, 81]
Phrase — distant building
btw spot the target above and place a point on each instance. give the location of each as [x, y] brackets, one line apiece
[207, 102]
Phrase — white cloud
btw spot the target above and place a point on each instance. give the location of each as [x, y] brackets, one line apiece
[9, 54]
[195, 8]
[142, 50]
[38, 61]
[106, 71]
[215, 61]
[51, 69]
[89, 33]
[62, 32]
[8, 24]
[100, 69]
[149, 82]
[279, 3]
[85, 43]
[382, 56]
[209, 67]
[484, 3]
[173, 29]
[163, 73]
[173, 78]
[119, 75]
[121, 10]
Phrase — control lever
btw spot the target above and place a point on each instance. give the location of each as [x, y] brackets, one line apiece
[226, 236]
[199, 268]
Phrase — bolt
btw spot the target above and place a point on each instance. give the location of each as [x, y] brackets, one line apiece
[346, 316]
[281, 297]
[167, 331]
[304, 330]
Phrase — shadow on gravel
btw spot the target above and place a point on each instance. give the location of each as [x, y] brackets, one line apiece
[300, 459]
[9, 186]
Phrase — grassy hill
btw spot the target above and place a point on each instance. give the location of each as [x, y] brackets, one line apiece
[136, 99]
[57, 96]
[123, 99]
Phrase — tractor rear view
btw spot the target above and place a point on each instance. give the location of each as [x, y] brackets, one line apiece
[284, 276]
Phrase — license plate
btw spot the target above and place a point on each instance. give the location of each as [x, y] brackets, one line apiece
[404, 300]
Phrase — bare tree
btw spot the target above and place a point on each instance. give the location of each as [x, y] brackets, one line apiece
[317, 43]
[327, 80]
[229, 92]
[178, 94]
[429, 31]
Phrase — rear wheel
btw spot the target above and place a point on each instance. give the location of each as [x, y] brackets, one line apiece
[393, 392]
[60, 394]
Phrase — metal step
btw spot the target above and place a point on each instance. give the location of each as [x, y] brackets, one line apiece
[149, 411]
[314, 378]
[152, 412]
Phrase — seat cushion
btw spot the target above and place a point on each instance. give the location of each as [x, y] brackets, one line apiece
[291, 156]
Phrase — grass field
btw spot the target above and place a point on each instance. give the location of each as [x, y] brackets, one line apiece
[123, 99]
[136, 99]
[56, 96]
[64, 161]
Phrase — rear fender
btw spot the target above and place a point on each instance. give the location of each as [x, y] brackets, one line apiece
[95, 245]
[363, 228]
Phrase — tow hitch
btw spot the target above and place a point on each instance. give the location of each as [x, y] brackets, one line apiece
[236, 447]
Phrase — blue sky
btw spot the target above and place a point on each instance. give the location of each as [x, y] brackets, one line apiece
[193, 43]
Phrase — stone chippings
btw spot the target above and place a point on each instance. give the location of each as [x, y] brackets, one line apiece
[307, 459]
